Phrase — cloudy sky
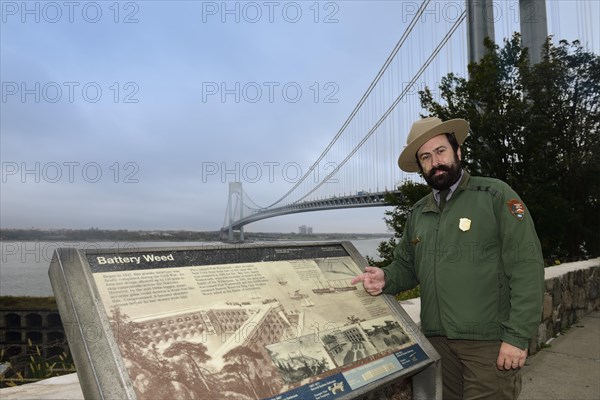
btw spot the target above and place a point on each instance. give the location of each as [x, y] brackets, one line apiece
[137, 115]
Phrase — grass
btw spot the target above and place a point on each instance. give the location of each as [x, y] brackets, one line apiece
[544, 346]
[409, 294]
[27, 303]
[31, 366]
[37, 368]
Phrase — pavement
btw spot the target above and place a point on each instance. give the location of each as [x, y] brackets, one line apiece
[65, 387]
[569, 369]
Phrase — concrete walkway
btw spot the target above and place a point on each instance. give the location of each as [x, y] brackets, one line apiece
[570, 368]
[64, 387]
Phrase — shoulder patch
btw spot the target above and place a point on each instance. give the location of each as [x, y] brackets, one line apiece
[516, 208]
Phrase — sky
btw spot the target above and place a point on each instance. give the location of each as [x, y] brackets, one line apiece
[138, 114]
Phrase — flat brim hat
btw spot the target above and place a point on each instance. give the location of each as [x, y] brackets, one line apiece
[423, 130]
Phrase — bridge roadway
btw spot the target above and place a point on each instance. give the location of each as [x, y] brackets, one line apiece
[361, 199]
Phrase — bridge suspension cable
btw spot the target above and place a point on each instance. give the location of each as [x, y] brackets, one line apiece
[361, 157]
[391, 108]
[370, 89]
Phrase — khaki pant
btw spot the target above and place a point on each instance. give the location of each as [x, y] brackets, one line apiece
[469, 370]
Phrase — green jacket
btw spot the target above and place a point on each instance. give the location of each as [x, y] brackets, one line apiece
[482, 278]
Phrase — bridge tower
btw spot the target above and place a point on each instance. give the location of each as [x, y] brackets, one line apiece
[236, 208]
[480, 24]
[534, 27]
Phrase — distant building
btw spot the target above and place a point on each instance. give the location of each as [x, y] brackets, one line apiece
[305, 230]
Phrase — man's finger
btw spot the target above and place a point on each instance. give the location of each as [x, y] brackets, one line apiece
[370, 270]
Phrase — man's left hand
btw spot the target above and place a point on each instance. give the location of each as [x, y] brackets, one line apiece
[511, 357]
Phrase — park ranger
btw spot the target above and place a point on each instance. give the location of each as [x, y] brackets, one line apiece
[472, 246]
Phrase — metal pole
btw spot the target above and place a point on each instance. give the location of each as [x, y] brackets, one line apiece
[235, 188]
[241, 211]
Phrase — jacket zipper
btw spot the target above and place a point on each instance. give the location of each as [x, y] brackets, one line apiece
[435, 267]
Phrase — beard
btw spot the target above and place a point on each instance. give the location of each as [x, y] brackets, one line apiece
[444, 181]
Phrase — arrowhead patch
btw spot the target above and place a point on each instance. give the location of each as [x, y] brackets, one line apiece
[517, 209]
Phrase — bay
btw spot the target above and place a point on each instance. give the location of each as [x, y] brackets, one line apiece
[24, 265]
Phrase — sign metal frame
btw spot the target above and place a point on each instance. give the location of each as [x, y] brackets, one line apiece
[102, 294]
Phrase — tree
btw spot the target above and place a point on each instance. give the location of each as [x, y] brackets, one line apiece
[410, 193]
[142, 358]
[196, 355]
[535, 127]
[241, 361]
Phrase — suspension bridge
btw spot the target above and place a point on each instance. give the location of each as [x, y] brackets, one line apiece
[440, 37]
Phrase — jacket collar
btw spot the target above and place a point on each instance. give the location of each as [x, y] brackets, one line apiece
[431, 205]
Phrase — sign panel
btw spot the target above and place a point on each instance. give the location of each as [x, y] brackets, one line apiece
[244, 322]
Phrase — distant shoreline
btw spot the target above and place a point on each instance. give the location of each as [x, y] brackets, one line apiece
[94, 234]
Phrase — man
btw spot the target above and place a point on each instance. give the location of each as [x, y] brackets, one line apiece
[472, 246]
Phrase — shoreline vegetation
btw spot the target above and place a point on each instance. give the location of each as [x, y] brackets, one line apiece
[20, 303]
[14, 234]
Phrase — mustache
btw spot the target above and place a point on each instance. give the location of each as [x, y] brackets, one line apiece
[441, 167]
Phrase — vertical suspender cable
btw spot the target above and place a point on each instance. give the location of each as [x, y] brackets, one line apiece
[362, 100]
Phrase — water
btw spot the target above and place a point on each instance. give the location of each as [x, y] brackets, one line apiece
[24, 265]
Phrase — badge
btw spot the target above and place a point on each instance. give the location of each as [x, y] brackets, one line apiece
[517, 209]
[464, 224]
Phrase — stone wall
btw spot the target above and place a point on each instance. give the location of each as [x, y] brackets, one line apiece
[572, 290]
[22, 329]
[568, 297]
[26, 333]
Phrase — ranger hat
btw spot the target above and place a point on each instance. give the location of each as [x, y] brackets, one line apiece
[423, 130]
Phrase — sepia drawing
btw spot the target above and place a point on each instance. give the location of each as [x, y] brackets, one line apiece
[245, 331]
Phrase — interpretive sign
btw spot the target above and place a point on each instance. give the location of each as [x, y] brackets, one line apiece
[234, 322]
